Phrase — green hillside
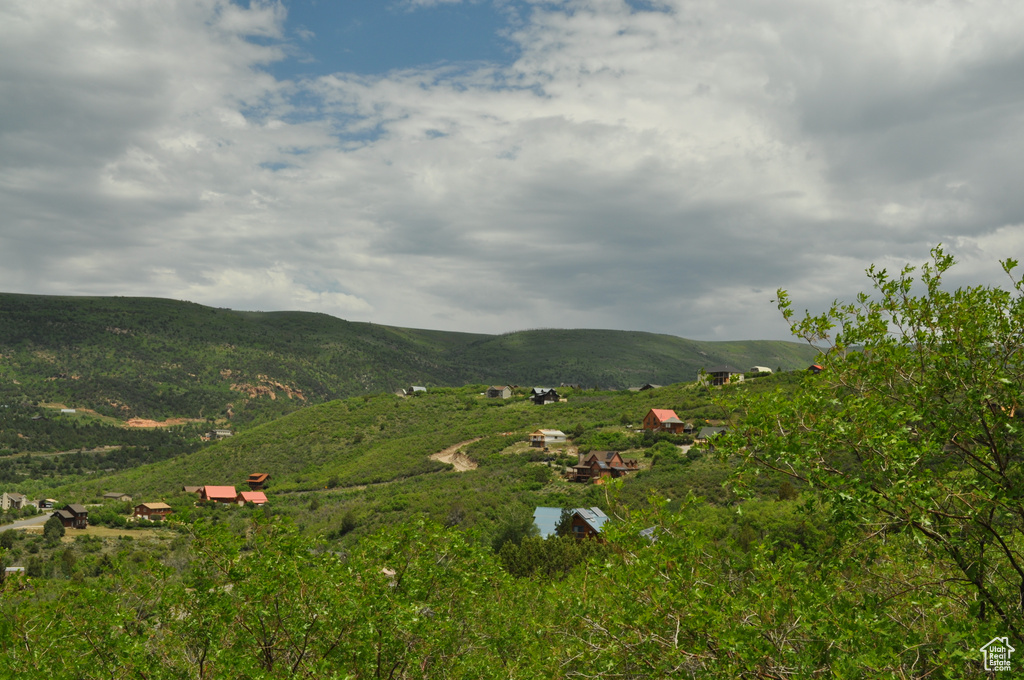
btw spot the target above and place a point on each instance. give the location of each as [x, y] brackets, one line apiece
[371, 455]
[155, 358]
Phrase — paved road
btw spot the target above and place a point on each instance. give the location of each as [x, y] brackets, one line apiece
[30, 522]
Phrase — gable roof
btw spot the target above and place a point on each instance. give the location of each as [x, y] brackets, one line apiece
[76, 508]
[259, 477]
[257, 497]
[593, 516]
[708, 432]
[665, 415]
[219, 492]
[154, 506]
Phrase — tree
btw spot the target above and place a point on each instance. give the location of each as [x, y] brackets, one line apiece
[914, 423]
[53, 530]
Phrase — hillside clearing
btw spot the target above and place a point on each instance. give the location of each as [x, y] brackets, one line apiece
[455, 457]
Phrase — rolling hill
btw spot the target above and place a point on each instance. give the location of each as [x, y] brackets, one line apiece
[157, 358]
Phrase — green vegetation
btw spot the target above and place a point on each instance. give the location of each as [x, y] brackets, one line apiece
[151, 358]
[863, 522]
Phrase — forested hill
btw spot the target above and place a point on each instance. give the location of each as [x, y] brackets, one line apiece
[156, 358]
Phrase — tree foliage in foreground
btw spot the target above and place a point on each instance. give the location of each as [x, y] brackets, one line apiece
[914, 426]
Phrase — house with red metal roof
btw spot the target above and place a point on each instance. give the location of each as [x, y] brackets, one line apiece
[218, 494]
[663, 420]
[254, 497]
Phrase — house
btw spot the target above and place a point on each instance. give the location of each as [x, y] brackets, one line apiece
[257, 481]
[587, 522]
[416, 388]
[597, 465]
[543, 395]
[646, 387]
[192, 489]
[254, 497]
[218, 494]
[760, 369]
[815, 368]
[663, 420]
[720, 375]
[117, 496]
[706, 434]
[219, 434]
[73, 516]
[499, 392]
[12, 501]
[154, 512]
[542, 438]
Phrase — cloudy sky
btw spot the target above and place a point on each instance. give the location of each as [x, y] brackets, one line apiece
[494, 165]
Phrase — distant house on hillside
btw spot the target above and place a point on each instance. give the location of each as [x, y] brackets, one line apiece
[648, 386]
[720, 375]
[154, 512]
[543, 395]
[192, 489]
[499, 392]
[219, 434]
[663, 420]
[257, 481]
[598, 465]
[12, 501]
[815, 368]
[416, 388]
[760, 369]
[254, 497]
[542, 438]
[117, 496]
[73, 516]
[218, 494]
[706, 434]
[587, 522]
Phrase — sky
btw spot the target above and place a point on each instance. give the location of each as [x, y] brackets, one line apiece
[498, 165]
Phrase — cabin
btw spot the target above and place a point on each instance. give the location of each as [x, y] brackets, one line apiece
[257, 481]
[192, 489]
[154, 512]
[763, 370]
[587, 522]
[218, 494]
[706, 434]
[815, 368]
[720, 375]
[543, 395]
[542, 438]
[117, 496]
[598, 465]
[219, 434]
[73, 516]
[254, 497]
[499, 392]
[663, 420]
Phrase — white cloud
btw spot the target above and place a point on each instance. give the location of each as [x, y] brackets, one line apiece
[658, 170]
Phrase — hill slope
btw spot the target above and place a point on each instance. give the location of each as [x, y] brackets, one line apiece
[155, 358]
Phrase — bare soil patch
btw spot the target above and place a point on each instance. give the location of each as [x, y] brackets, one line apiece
[170, 422]
[454, 456]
